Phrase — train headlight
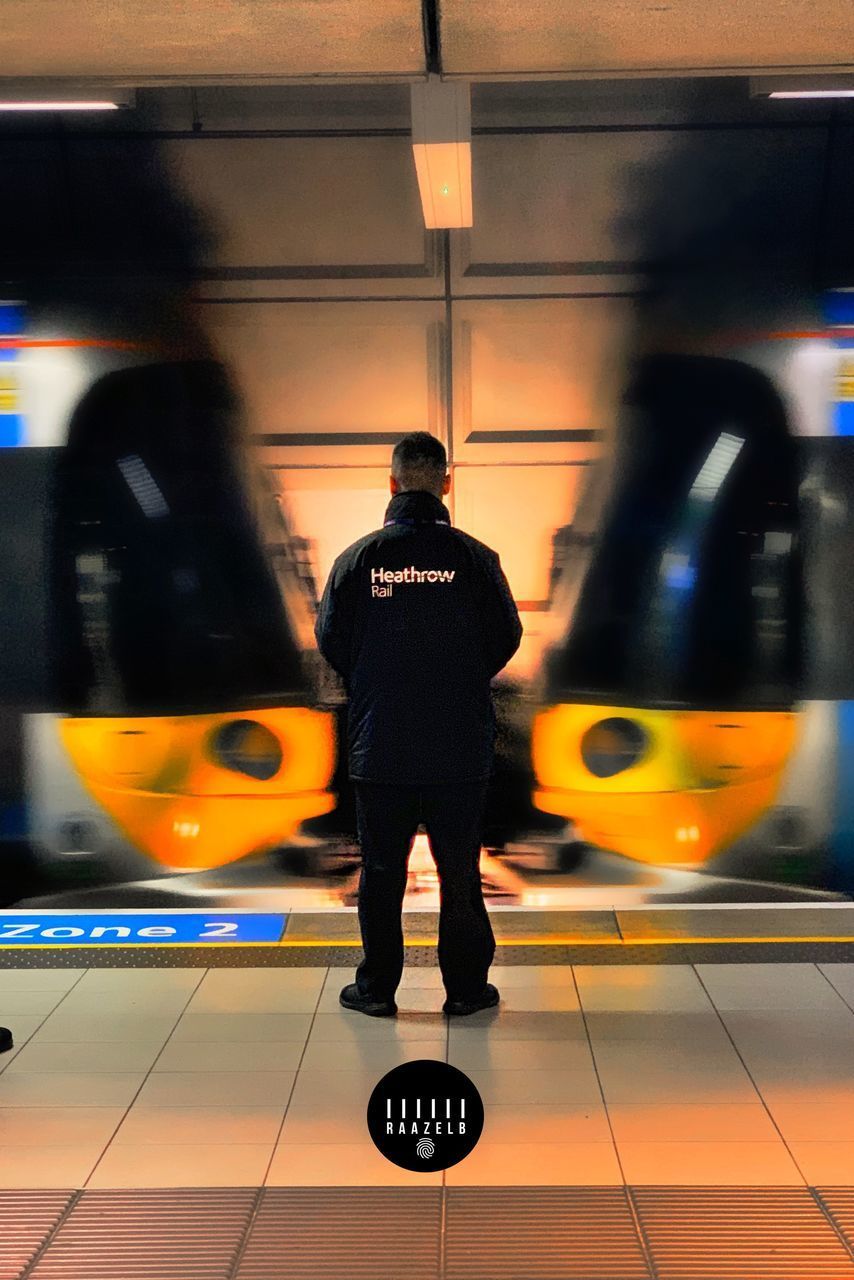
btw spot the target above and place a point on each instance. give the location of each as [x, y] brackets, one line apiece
[611, 746]
[247, 747]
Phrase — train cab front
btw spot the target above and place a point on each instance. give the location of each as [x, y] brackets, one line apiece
[663, 787]
[670, 707]
[197, 791]
[189, 715]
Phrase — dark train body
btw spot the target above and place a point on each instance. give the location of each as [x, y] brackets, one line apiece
[670, 704]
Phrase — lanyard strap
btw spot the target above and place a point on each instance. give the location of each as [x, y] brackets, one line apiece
[405, 520]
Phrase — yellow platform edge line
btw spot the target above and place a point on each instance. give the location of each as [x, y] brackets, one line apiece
[561, 940]
[558, 940]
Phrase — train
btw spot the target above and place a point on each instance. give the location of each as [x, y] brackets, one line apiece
[175, 714]
[670, 703]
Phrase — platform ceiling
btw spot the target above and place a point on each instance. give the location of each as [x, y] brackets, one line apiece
[151, 41]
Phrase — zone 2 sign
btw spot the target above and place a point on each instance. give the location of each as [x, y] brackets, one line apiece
[132, 928]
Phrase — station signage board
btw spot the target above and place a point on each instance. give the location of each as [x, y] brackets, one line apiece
[138, 928]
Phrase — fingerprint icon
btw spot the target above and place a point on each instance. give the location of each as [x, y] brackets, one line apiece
[425, 1148]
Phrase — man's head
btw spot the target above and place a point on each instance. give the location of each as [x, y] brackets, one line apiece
[419, 461]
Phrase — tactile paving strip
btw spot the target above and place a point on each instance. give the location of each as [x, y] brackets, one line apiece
[26, 1220]
[344, 1233]
[791, 922]
[740, 1233]
[149, 1235]
[391, 1233]
[839, 1203]
[541, 1233]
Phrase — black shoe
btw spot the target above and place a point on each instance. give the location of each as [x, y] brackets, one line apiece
[6, 1041]
[488, 999]
[351, 999]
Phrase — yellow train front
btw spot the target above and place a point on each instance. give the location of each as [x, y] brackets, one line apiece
[670, 704]
[189, 716]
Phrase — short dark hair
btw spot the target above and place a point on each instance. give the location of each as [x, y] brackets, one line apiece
[419, 461]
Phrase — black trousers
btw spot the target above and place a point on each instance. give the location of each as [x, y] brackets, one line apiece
[388, 817]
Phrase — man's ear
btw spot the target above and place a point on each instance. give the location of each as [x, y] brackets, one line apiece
[393, 486]
[446, 483]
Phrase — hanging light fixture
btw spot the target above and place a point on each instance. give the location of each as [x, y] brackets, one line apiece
[61, 95]
[441, 143]
[816, 86]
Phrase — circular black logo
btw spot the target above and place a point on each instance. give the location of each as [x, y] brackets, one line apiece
[425, 1116]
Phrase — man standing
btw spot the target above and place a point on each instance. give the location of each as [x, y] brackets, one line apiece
[417, 618]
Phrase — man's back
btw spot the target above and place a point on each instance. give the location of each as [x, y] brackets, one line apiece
[417, 617]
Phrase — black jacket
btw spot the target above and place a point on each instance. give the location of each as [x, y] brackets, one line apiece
[417, 618]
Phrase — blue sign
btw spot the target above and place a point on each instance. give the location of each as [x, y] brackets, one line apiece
[136, 928]
[12, 424]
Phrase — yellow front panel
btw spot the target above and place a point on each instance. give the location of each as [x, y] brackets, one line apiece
[160, 778]
[702, 778]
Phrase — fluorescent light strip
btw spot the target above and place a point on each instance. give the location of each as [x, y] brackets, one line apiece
[718, 464]
[812, 93]
[59, 106]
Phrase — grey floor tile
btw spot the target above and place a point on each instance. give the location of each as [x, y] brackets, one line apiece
[198, 1027]
[216, 1088]
[72, 1089]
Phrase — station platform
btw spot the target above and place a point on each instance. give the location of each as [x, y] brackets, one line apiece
[666, 1120]
[664, 934]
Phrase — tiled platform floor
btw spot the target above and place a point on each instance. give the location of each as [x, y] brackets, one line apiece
[677, 1075]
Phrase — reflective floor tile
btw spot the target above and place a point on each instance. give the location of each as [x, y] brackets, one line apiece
[183, 1166]
[829, 1164]
[841, 978]
[23, 1029]
[340, 1165]
[142, 980]
[344, 1025]
[579, 1164]
[721, 1164]
[57, 1126]
[707, 1120]
[320, 1089]
[537, 997]
[38, 979]
[658, 1027]
[125, 1004]
[801, 1116]
[259, 991]
[473, 1052]
[182, 1126]
[539, 1086]
[67, 1027]
[338, 1122]
[30, 1003]
[243, 1026]
[64, 1167]
[374, 1055]
[408, 1000]
[536, 1123]
[505, 976]
[265, 978]
[634, 987]
[766, 987]
[627, 1075]
[230, 1055]
[812, 1030]
[217, 1088]
[47, 1056]
[73, 1089]
[421, 976]
[504, 1024]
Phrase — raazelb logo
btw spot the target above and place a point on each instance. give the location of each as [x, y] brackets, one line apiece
[425, 1116]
